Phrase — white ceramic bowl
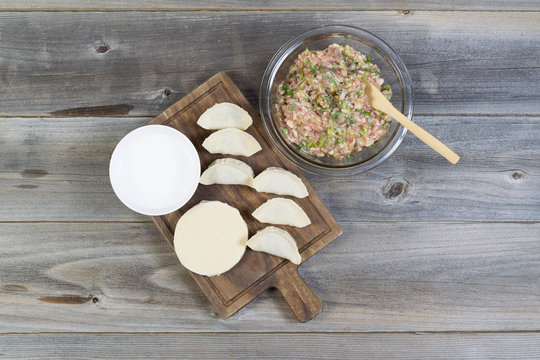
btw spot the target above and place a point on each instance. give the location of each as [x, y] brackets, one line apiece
[154, 170]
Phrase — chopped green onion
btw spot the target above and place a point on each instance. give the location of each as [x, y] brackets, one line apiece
[371, 70]
[331, 80]
[335, 115]
[285, 87]
[332, 70]
[340, 102]
[312, 67]
[367, 113]
[348, 156]
[370, 146]
[368, 59]
[350, 121]
[285, 131]
[291, 107]
[386, 87]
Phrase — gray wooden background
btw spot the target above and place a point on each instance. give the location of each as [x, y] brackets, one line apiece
[435, 260]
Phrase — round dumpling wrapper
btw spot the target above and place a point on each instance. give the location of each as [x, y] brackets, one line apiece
[210, 238]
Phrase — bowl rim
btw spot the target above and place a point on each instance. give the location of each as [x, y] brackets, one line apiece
[293, 44]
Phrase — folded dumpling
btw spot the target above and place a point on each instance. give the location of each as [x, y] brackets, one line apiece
[225, 115]
[279, 181]
[275, 241]
[231, 141]
[227, 171]
[281, 211]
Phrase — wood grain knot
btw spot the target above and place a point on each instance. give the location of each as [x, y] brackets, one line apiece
[518, 175]
[166, 93]
[66, 299]
[103, 49]
[34, 173]
[14, 288]
[406, 12]
[396, 190]
[25, 186]
[95, 300]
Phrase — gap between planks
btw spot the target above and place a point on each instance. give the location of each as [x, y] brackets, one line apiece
[232, 332]
[151, 116]
[339, 221]
[77, 222]
[404, 10]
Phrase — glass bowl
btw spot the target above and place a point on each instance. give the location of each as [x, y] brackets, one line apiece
[392, 70]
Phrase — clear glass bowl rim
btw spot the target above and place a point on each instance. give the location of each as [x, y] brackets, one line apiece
[265, 107]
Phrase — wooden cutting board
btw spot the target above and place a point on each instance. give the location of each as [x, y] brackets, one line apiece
[257, 271]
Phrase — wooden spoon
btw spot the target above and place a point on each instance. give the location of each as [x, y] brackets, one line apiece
[378, 101]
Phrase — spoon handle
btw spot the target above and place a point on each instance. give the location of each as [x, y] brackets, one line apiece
[422, 134]
[378, 101]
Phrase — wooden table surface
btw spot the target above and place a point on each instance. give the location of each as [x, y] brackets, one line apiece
[435, 260]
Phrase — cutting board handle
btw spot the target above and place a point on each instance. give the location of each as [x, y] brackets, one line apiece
[304, 303]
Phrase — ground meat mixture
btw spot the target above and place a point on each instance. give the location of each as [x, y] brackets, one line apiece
[321, 105]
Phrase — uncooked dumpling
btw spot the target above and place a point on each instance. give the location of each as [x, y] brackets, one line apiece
[279, 181]
[227, 171]
[275, 241]
[210, 238]
[231, 141]
[281, 211]
[225, 115]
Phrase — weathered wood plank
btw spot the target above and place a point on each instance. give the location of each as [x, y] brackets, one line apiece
[56, 168]
[216, 5]
[60, 166]
[377, 277]
[460, 62]
[272, 346]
